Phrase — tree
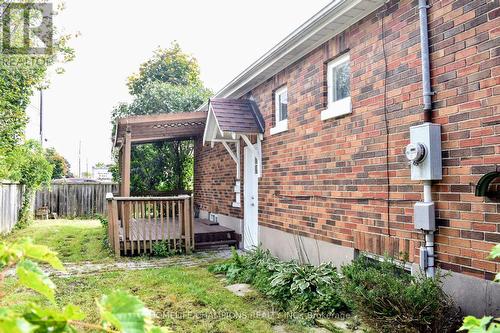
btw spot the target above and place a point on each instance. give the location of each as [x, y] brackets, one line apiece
[20, 75]
[162, 166]
[60, 166]
[167, 83]
[16, 88]
[100, 165]
[167, 65]
[164, 97]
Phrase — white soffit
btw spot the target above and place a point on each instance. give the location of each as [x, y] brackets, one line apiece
[328, 22]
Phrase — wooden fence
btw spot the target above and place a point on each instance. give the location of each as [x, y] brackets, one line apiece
[11, 196]
[75, 200]
[135, 224]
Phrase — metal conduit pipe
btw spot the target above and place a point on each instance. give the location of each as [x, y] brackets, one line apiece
[429, 235]
[427, 191]
[424, 52]
[427, 99]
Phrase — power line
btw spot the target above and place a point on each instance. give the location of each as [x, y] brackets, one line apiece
[80, 159]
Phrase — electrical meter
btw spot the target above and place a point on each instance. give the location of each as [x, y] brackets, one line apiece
[415, 153]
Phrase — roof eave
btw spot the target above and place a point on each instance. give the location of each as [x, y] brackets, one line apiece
[210, 122]
[314, 32]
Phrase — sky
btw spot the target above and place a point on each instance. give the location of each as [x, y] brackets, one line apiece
[116, 36]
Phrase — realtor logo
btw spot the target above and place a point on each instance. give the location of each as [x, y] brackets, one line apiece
[26, 28]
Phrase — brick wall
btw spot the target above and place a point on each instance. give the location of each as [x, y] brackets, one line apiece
[346, 180]
[214, 180]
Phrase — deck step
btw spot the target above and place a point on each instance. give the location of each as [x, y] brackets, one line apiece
[216, 243]
[207, 222]
[214, 236]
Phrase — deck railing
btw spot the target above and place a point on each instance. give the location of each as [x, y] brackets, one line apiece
[136, 224]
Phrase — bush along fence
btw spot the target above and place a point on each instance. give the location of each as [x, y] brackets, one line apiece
[75, 200]
[11, 196]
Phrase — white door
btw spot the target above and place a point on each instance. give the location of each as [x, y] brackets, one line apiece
[250, 199]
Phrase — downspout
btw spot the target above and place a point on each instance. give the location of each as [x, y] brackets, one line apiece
[427, 99]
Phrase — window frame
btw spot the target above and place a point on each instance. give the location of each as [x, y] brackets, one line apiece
[279, 125]
[340, 107]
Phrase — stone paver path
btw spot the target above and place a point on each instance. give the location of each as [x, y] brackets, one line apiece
[240, 289]
[85, 268]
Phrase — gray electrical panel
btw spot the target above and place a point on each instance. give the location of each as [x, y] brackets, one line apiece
[424, 216]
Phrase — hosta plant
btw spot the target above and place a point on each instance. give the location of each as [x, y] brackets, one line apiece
[295, 287]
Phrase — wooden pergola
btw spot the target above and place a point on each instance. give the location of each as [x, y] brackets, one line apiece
[136, 224]
[153, 128]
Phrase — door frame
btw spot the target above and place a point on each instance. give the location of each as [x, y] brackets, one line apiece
[247, 201]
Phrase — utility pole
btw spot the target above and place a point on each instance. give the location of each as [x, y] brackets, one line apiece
[41, 117]
[80, 159]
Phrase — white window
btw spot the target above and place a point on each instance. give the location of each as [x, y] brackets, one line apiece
[339, 92]
[281, 109]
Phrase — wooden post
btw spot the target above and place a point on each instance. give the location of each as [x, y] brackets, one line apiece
[109, 198]
[143, 210]
[192, 221]
[150, 227]
[167, 218]
[126, 157]
[120, 169]
[174, 224]
[182, 224]
[115, 228]
[187, 229]
[131, 234]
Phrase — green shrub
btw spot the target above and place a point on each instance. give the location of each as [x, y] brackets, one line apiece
[161, 249]
[388, 299]
[292, 286]
[27, 164]
[104, 224]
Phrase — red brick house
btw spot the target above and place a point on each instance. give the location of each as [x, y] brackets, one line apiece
[374, 127]
[304, 151]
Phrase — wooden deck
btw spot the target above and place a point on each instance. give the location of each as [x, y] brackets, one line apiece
[145, 229]
[144, 233]
[137, 224]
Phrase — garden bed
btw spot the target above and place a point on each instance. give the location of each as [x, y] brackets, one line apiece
[383, 295]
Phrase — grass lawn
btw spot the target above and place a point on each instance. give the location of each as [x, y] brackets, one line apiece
[185, 299]
[74, 240]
